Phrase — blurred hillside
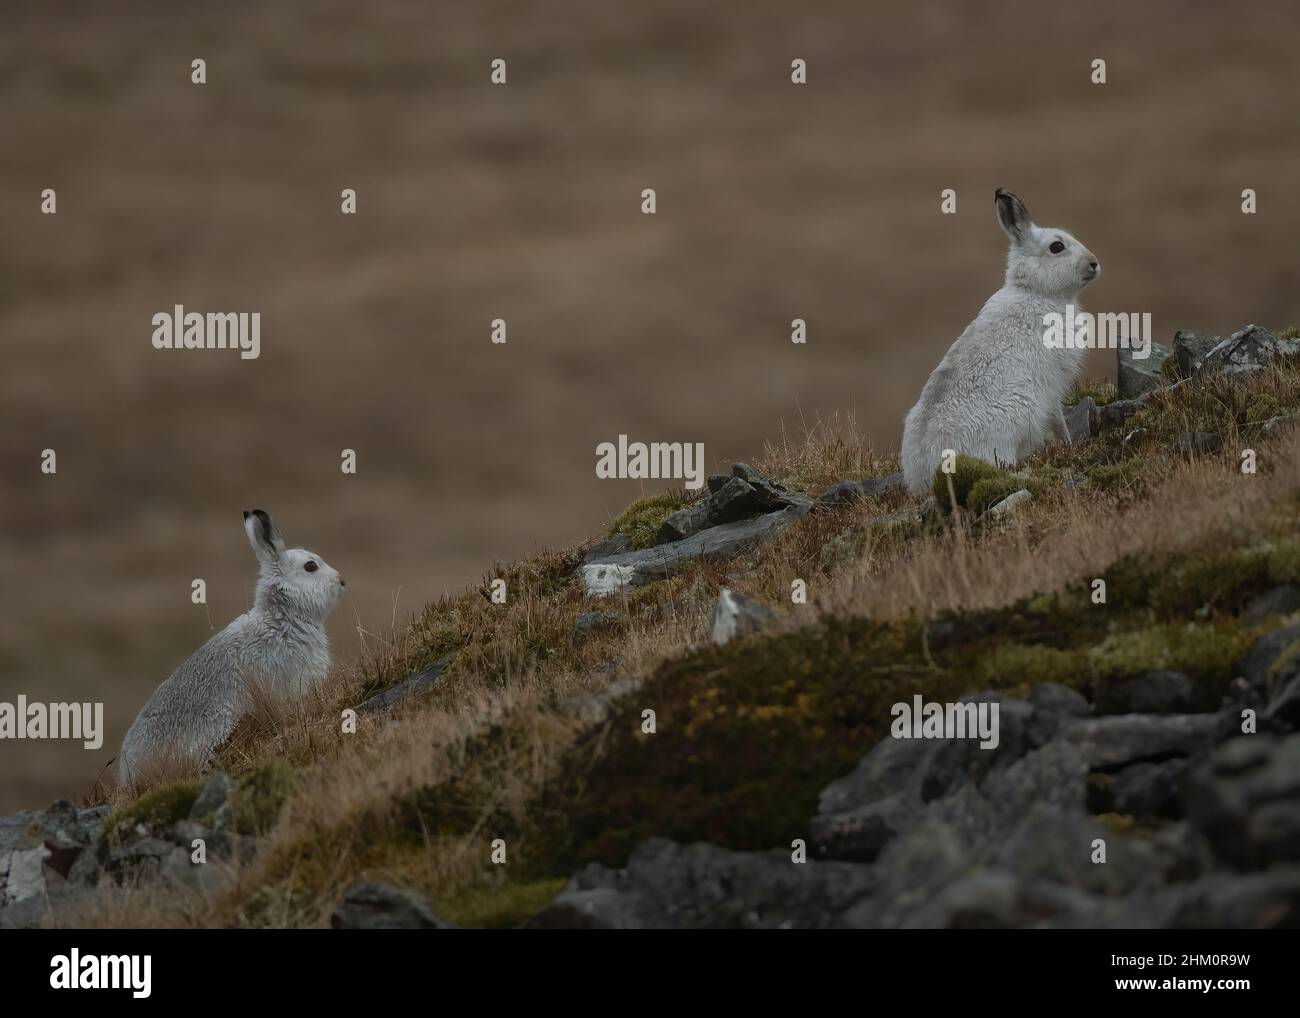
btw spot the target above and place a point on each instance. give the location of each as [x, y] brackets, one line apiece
[522, 202]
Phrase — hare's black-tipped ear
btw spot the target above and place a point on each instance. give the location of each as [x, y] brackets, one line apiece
[1013, 217]
[263, 535]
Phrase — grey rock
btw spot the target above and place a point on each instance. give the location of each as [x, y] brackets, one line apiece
[1245, 798]
[1223, 901]
[1011, 502]
[39, 845]
[1143, 789]
[1197, 443]
[369, 905]
[185, 832]
[212, 807]
[594, 708]
[686, 521]
[1282, 600]
[1155, 692]
[590, 622]
[616, 545]
[42, 910]
[1115, 741]
[1246, 350]
[22, 873]
[421, 682]
[1258, 665]
[860, 833]
[1135, 376]
[1190, 349]
[716, 481]
[1053, 705]
[736, 500]
[667, 885]
[1116, 412]
[178, 867]
[634, 569]
[736, 615]
[1081, 420]
[1055, 845]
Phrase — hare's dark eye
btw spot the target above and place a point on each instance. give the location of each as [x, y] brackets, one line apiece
[311, 567]
[1057, 247]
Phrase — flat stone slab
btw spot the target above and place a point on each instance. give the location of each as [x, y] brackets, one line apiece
[637, 568]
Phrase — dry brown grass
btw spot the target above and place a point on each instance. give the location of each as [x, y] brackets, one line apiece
[515, 660]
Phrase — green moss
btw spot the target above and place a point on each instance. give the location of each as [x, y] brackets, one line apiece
[1101, 393]
[967, 472]
[987, 493]
[1292, 333]
[1205, 653]
[640, 521]
[1127, 475]
[503, 906]
[258, 795]
[157, 809]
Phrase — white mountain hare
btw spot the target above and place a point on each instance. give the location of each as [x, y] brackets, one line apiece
[997, 393]
[279, 648]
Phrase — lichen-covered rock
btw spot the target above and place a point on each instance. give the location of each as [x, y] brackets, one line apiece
[1247, 350]
[1135, 376]
[1081, 420]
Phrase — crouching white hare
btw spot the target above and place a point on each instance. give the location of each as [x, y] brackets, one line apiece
[278, 650]
[997, 393]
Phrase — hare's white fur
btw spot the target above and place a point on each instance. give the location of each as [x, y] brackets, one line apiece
[998, 391]
[278, 647]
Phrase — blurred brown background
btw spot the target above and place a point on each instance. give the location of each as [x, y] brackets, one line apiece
[522, 202]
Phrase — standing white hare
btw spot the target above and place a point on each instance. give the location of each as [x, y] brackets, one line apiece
[998, 391]
[278, 647]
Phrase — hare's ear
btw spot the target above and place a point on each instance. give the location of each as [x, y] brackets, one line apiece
[1013, 217]
[263, 535]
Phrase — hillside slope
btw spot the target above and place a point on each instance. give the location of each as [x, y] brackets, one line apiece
[522, 754]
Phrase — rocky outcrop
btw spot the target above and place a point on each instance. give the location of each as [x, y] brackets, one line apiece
[47, 857]
[1133, 811]
[739, 511]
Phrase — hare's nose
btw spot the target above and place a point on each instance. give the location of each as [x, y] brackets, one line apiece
[342, 582]
[1095, 264]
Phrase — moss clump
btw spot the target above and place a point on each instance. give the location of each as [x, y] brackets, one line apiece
[157, 809]
[1101, 393]
[1292, 333]
[1225, 580]
[505, 906]
[1205, 653]
[987, 493]
[967, 472]
[1126, 475]
[257, 796]
[640, 522]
